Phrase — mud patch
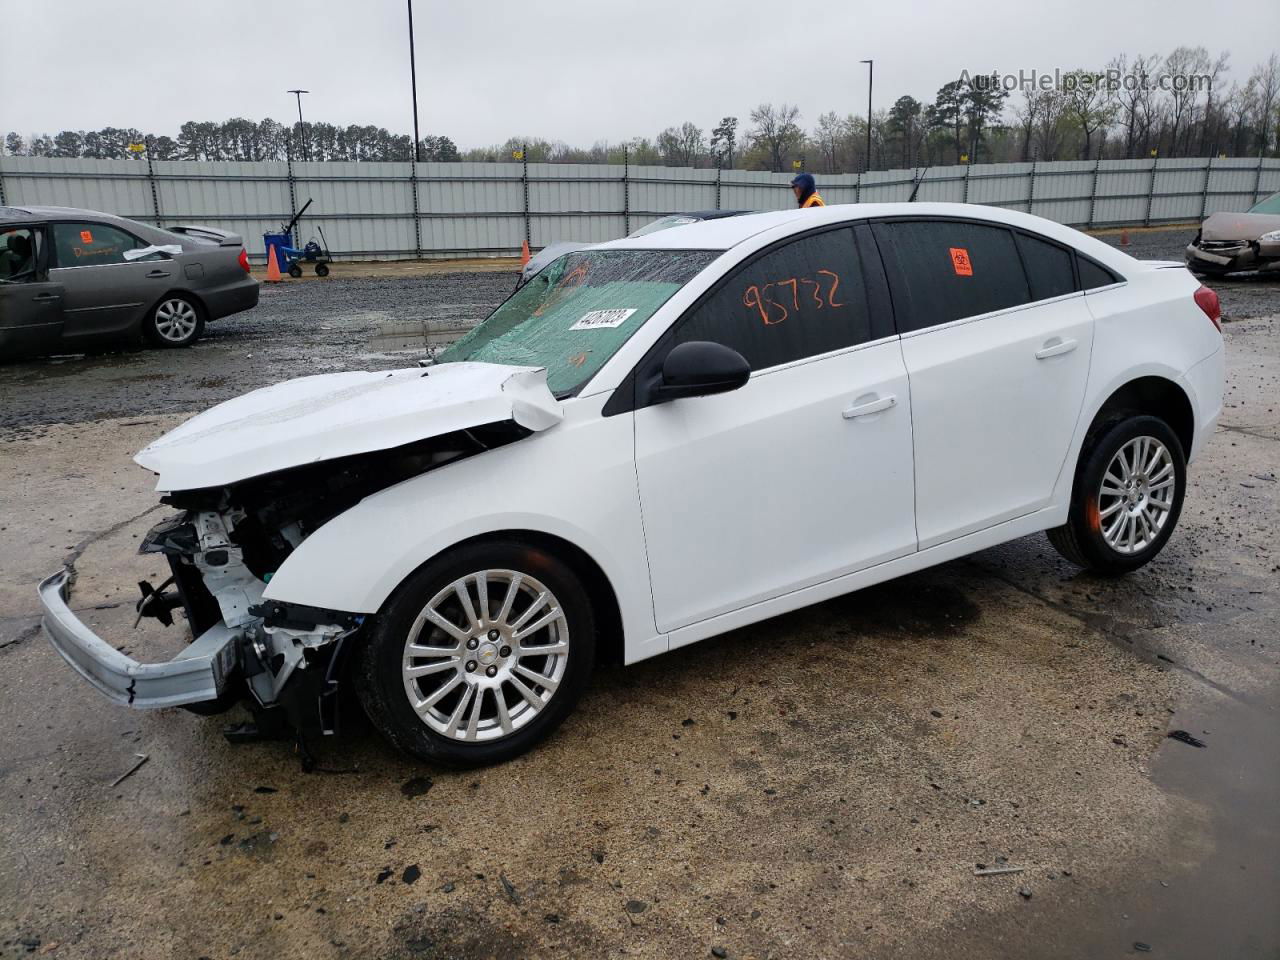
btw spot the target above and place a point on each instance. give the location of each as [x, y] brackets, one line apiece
[919, 605]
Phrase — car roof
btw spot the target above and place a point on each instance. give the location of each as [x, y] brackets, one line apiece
[727, 232]
[27, 212]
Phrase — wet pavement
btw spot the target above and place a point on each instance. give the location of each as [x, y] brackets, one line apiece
[823, 784]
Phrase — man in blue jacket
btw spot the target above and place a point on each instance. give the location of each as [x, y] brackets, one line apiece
[806, 191]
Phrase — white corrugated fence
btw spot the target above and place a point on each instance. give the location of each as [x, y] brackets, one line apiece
[405, 210]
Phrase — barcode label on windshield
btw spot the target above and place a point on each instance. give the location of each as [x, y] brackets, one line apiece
[603, 318]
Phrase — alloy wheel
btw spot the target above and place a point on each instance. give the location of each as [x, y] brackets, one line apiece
[1136, 495]
[176, 320]
[485, 655]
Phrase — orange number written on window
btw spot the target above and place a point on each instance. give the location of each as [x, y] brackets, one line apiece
[770, 301]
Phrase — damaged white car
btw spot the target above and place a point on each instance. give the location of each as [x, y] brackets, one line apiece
[658, 440]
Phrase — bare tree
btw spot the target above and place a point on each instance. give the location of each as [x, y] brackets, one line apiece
[1267, 78]
[776, 132]
[1208, 123]
[682, 146]
[1027, 114]
[1238, 107]
[829, 137]
[1133, 97]
[1183, 66]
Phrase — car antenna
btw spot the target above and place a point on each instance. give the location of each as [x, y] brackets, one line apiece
[916, 186]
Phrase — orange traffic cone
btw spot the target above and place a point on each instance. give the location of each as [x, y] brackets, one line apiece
[524, 253]
[273, 268]
[1124, 238]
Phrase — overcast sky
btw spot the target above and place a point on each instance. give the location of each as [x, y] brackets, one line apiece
[573, 70]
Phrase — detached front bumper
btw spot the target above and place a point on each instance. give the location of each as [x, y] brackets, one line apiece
[199, 672]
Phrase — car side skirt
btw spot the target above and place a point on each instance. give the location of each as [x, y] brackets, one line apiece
[962, 546]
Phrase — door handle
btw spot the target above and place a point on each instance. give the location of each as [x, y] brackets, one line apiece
[1055, 347]
[45, 297]
[157, 274]
[869, 407]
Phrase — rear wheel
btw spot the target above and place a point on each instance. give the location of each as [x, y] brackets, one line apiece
[1127, 496]
[176, 321]
[295, 271]
[479, 655]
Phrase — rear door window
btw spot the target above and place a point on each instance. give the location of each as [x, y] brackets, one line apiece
[945, 270]
[1049, 267]
[799, 300]
[91, 244]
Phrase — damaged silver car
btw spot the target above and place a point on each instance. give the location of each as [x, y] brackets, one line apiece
[1237, 242]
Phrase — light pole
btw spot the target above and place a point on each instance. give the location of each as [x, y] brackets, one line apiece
[870, 79]
[306, 154]
[413, 82]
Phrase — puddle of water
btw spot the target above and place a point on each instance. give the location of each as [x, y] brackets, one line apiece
[395, 336]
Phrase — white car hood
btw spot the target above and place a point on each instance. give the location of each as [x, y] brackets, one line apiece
[337, 414]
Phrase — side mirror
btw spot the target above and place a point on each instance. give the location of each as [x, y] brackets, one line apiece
[700, 368]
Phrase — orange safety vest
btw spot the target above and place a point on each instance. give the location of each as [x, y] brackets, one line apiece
[813, 201]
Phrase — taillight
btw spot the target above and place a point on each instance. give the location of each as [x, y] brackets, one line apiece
[1207, 301]
[244, 259]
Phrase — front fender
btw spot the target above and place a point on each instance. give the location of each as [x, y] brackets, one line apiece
[576, 482]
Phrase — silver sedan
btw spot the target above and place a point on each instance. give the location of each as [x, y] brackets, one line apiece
[70, 278]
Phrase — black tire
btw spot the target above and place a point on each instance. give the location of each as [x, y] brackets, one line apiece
[1081, 539]
[380, 680]
[322, 269]
[295, 271]
[177, 320]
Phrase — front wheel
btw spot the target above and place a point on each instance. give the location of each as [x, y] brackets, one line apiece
[479, 654]
[1127, 496]
[174, 322]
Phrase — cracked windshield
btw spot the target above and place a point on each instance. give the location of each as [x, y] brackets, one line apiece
[575, 314]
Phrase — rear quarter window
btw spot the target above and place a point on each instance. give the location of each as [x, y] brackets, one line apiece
[1049, 267]
[1094, 275]
[945, 270]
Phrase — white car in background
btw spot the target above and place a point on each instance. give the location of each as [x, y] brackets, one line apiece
[661, 439]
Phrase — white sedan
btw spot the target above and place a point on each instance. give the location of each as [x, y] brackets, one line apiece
[658, 440]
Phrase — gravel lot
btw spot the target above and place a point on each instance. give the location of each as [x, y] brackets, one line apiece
[823, 784]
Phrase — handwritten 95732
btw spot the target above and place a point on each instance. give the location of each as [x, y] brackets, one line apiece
[802, 293]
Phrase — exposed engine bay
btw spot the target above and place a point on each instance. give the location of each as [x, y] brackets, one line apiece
[225, 544]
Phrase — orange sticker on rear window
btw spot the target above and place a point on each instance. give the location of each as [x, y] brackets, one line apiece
[86, 236]
[960, 261]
